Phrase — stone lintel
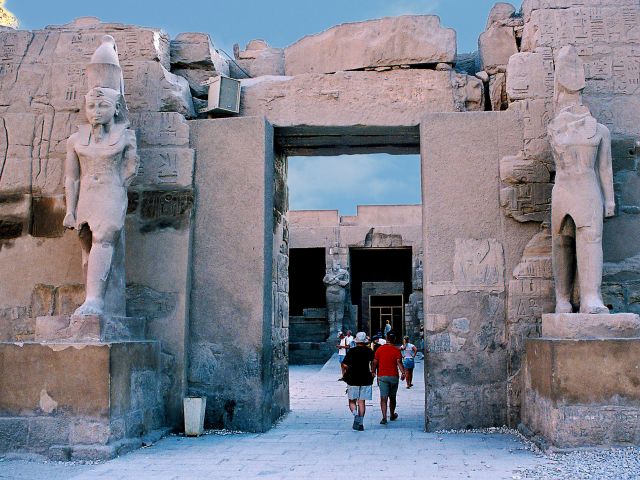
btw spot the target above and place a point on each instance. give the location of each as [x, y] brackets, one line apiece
[585, 326]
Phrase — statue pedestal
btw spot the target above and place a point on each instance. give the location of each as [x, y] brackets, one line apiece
[580, 325]
[87, 388]
[581, 381]
[88, 328]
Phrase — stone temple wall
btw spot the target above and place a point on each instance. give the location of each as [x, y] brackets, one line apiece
[607, 37]
[42, 88]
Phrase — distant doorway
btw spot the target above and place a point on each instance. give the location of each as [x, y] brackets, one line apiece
[383, 309]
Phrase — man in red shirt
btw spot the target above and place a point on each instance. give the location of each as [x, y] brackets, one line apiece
[388, 362]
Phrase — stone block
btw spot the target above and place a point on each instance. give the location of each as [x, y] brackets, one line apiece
[196, 78]
[195, 50]
[579, 325]
[16, 210]
[516, 169]
[46, 431]
[89, 432]
[43, 300]
[88, 328]
[501, 14]
[47, 216]
[68, 298]
[496, 46]
[237, 229]
[526, 77]
[498, 92]
[14, 432]
[397, 97]
[160, 129]
[583, 393]
[76, 41]
[170, 167]
[404, 40]
[72, 403]
[527, 202]
[259, 59]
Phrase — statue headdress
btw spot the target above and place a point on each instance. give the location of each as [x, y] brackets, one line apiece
[104, 72]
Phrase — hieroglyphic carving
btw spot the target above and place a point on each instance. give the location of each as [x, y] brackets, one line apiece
[165, 166]
[478, 264]
[527, 202]
[159, 205]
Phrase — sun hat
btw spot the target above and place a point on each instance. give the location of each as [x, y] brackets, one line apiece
[361, 337]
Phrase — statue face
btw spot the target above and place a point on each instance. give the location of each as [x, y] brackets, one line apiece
[100, 111]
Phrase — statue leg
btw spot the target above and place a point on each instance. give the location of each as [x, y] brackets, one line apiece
[98, 268]
[85, 243]
[589, 247]
[563, 253]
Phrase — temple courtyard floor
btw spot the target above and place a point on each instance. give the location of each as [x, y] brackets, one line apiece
[315, 440]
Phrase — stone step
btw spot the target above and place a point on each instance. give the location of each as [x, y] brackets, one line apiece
[89, 328]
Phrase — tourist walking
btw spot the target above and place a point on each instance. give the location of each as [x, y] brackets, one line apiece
[342, 347]
[358, 373]
[387, 364]
[409, 352]
[387, 328]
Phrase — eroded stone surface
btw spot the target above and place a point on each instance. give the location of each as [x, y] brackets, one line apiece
[406, 40]
[398, 97]
[578, 325]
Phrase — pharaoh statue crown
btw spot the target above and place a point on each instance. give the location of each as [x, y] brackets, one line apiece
[104, 69]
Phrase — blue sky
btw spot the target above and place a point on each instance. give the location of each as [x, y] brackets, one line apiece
[314, 182]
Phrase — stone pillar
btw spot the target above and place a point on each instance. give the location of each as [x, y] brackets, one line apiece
[237, 359]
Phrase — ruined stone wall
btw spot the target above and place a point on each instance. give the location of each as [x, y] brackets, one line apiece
[606, 34]
[42, 88]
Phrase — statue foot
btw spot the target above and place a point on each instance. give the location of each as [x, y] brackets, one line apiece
[91, 306]
[593, 306]
[564, 306]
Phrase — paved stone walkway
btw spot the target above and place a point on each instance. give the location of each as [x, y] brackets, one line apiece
[315, 441]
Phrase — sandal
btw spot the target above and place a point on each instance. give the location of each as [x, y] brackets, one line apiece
[394, 416]
[383, 421]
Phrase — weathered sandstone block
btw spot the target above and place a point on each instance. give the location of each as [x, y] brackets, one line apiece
[397, 97]
[259, 59]
[406, 40]
[496, 46]
[578, 325]
[195, 50]
[583, 393]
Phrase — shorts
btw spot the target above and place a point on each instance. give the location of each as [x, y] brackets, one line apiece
[408, 363]
[341, 358]
[388, 386]
[359, 392]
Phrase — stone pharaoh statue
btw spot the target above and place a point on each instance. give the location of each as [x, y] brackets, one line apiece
[583, 190]
[336, 281]
[101, 162]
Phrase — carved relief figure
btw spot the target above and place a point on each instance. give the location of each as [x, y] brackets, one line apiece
[583, 191]
[101, 162]
[336, 281]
